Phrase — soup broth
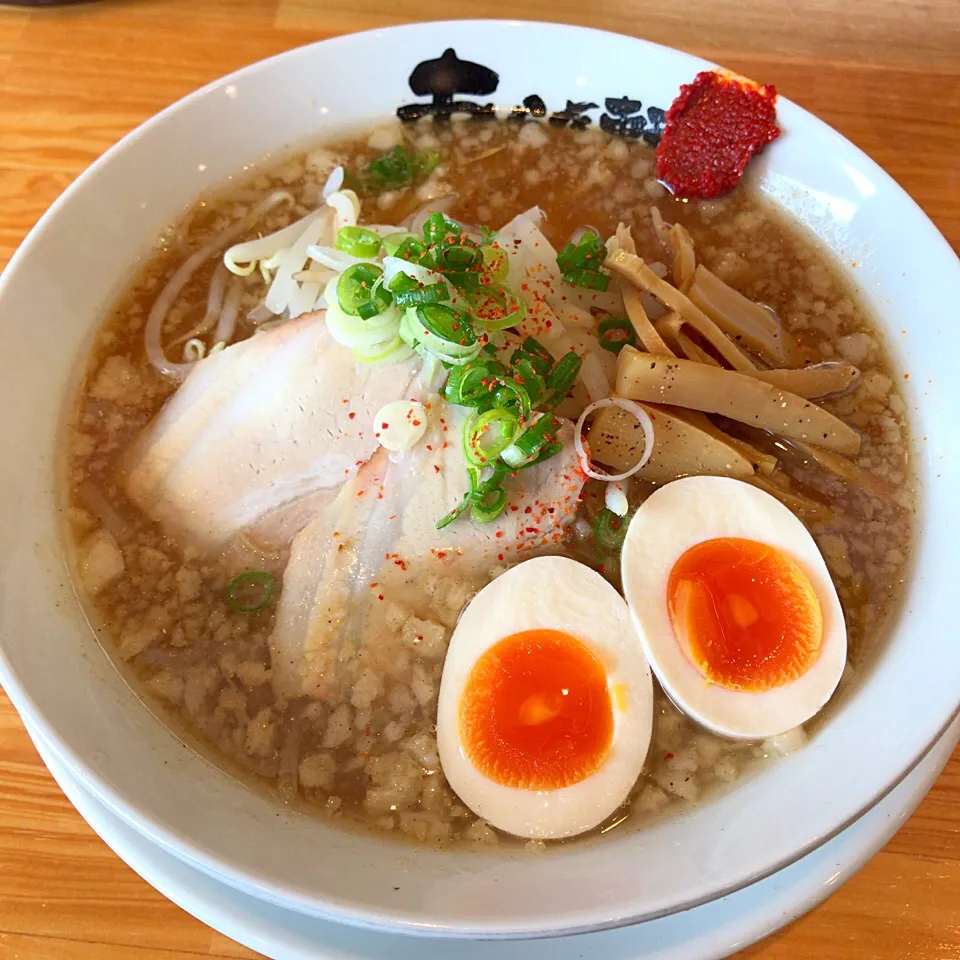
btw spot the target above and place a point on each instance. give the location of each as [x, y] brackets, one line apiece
[367, 750]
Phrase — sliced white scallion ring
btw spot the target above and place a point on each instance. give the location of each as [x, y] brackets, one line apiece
[354, 332]
[400, 424]
[630, 407]
[615, 497]
[394, 350]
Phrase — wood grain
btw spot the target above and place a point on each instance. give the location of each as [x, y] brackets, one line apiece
[886, 73]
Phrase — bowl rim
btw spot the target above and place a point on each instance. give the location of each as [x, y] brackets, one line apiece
[211, 862]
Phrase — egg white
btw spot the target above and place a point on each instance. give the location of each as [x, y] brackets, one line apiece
[687, 512]
[550, 593]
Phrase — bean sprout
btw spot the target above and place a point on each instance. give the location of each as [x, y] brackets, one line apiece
[183, 275]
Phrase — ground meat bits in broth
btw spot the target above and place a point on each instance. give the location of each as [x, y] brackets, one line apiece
[371, 755]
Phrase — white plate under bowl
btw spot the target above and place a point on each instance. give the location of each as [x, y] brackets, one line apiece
[79, 257]
[707, 932]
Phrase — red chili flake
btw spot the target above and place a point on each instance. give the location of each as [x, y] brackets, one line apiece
[712, 129]
[441, 554]
[532, 530]
[436, 469]
[339, 547]
[668, 756]
[499, 556]
[430, 447]
[384, 426]
[351, 415]
[392, 516]
[416, 423]
[336, 533]
[528, 509]
[379, 596]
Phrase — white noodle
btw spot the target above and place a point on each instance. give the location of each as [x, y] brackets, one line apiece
[181, 277]
[583, 454]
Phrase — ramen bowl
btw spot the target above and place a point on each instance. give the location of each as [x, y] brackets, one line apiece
[78, 259]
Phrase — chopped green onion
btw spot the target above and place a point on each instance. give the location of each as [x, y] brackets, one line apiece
[508, 394]
[447, 324]
[588, 279]
[413, 251]
[495, 307]
[538, 351]
[580, 262]
[496, 266]
[468, 386]
[393, 241]
[615, 333]
[408, 292]
[360, 291]
[525, 372]
[562, 377]
[486, 436]
[490, 498]
[397, 168]
[546, 452]
[391, 169]
[358, 241]
[250, 591]
[438, 227]
[473, 476]
[459, 258]
[528, 446]
[609, 531]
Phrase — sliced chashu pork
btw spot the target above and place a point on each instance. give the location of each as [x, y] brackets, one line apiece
[258, 432]
[377, 544]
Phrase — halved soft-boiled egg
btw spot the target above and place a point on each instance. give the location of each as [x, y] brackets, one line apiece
[738, 615]
[546, 701]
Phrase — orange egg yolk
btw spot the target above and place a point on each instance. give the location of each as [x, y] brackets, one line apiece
[745, 613]
[535, 712]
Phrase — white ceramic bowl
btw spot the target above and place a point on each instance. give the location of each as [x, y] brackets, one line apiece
[78, 259]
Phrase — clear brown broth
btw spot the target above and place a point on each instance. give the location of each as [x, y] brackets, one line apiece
[208, 666]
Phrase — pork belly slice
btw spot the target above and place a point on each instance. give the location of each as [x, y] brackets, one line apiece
[256, 430]
[376, 549]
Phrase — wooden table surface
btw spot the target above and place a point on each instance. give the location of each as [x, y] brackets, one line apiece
[886, 73]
